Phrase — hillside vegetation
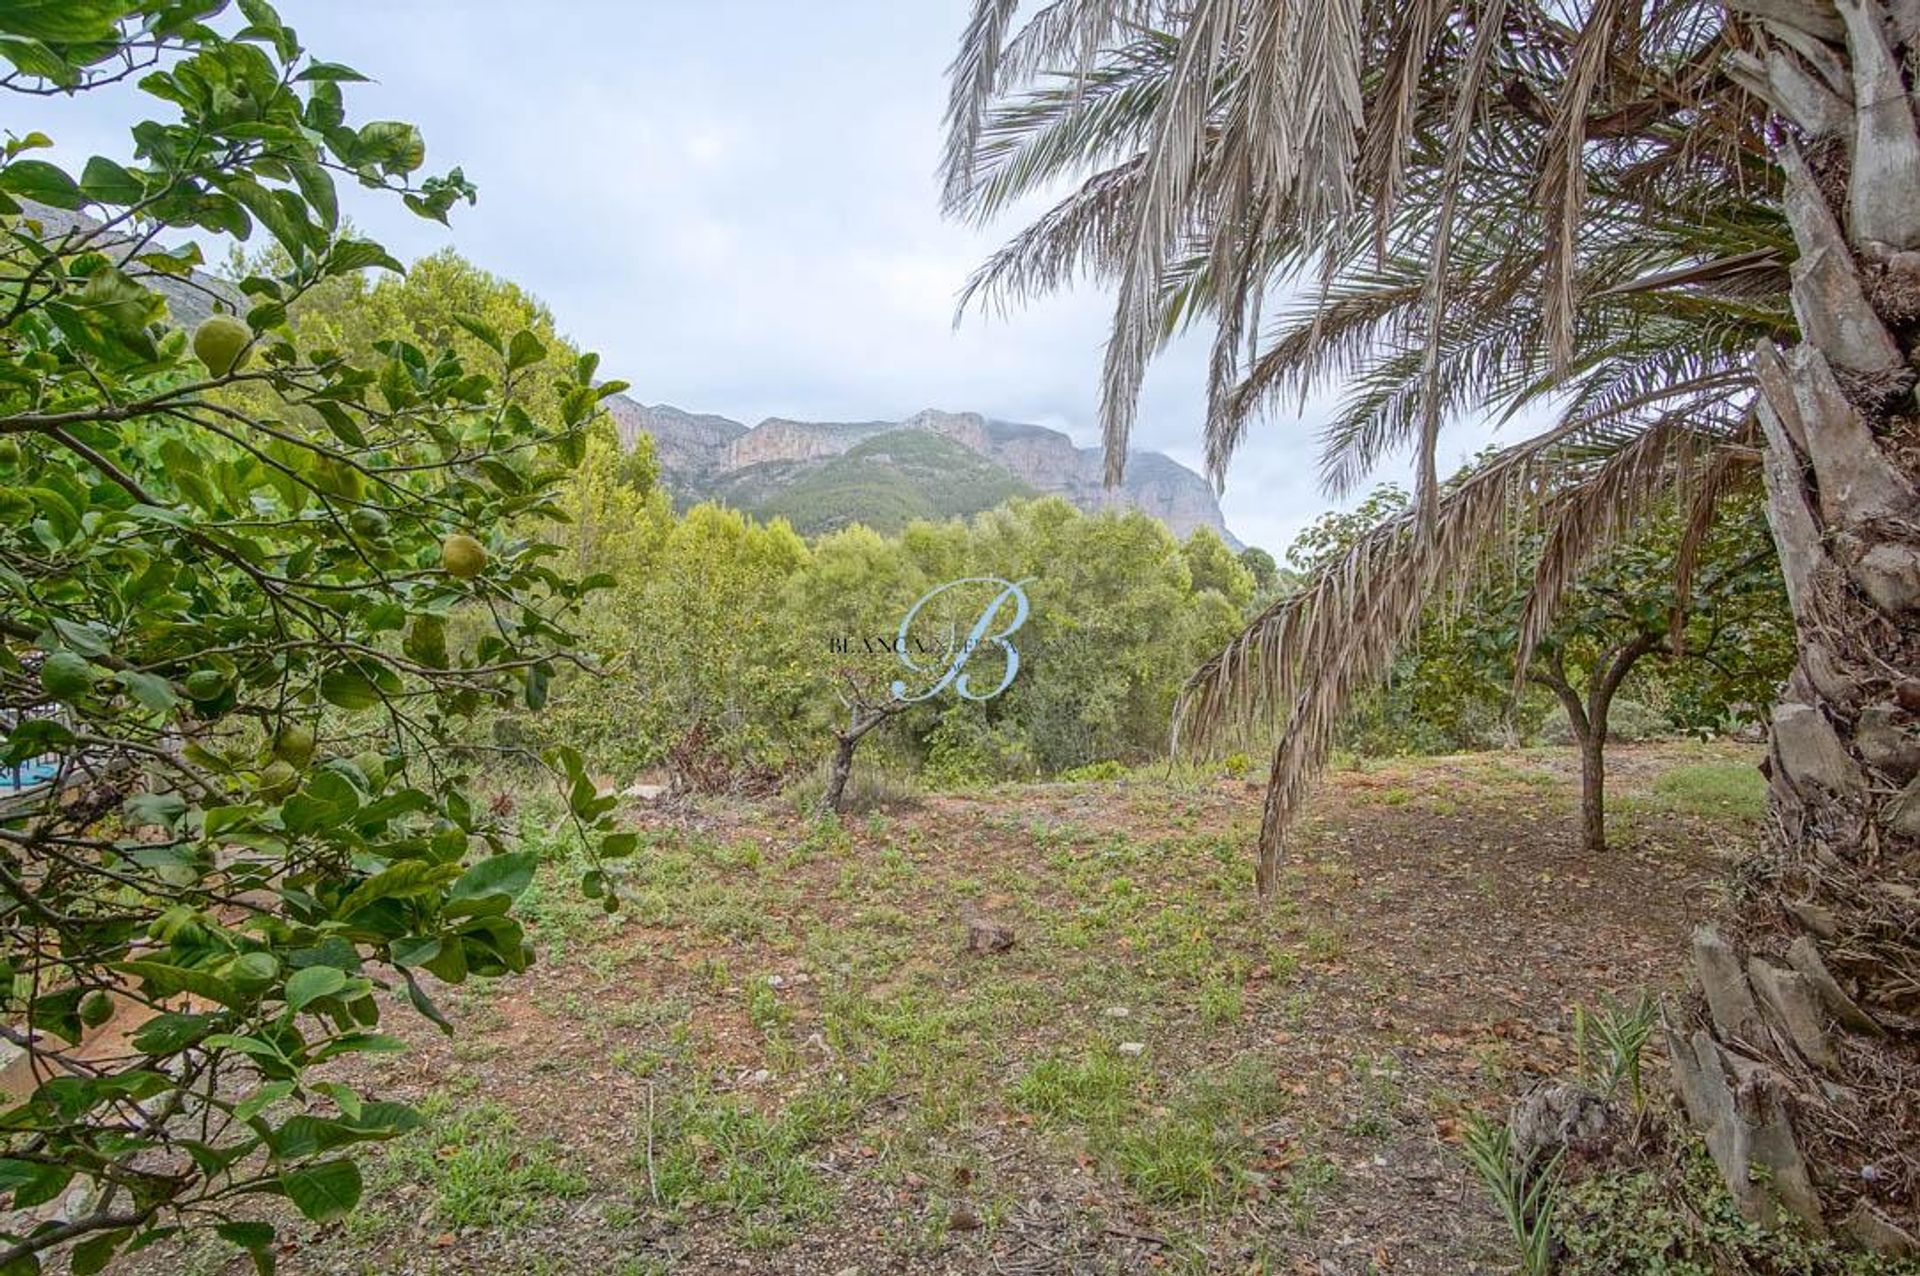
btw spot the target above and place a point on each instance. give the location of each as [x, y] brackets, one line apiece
[884, 482]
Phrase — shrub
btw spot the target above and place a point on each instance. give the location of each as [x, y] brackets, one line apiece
[1107, 770]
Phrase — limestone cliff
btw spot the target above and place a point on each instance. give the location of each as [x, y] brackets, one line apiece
[705, 456]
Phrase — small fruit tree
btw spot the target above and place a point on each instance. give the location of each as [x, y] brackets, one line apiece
[236, 826]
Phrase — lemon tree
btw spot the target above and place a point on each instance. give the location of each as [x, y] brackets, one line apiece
[234, 833]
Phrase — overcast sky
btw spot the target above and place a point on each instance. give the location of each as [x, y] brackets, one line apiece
[734, 201]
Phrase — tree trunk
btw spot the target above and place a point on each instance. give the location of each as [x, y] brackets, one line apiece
[1602, 686]
[1814, 1062]
[1593, 792]
[839, 770]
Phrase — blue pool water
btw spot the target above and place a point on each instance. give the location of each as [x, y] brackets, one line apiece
[27, 774]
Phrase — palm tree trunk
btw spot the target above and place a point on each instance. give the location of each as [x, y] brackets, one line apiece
[1801, 1067]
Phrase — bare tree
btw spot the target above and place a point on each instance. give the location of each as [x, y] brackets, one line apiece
[867, 709]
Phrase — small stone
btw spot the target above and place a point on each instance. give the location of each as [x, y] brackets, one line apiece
[776, 981]
[1815, 918]
[1133, 1047]
[646, 792]
[1556, 1115]
[759, 1076]
[1728, 997]
[1804, 956]
[984, 935]
[1907, 694]
[1890, 573]
[1117, 1012]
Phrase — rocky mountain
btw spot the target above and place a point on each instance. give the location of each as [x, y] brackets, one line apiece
[190, 297]
[826, 474]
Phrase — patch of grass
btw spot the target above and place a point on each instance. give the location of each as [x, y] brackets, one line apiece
[1381, 1097]
[481, 1168]
[764, 1010]
[1714, 789]
[1221, 1004]
[1178, 1161]
[1094, 771]
[718, 1151]
[1310, 1178]
[1193, 1149]
[1100, 1088]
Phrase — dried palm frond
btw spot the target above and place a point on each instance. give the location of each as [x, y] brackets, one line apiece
[1295, 669]
[1293, 672]
[1491, 204]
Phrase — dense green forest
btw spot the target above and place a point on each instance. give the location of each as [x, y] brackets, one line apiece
[716, 633]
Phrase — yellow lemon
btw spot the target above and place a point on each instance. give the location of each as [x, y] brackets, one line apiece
[462, 556]
[221, 343]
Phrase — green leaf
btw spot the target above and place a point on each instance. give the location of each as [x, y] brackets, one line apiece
[262, 1099]
[39, 180]
[152, 691]
[396, 147]
[524, 350]
[172, 1032]
[330, 71]
[328, 802]
[425, 1004]
[507, 875]
[34, 58]
[93, 1254]
[414, 950]
[163, 979]
[281, 211]
[246, 1233]
[349, 689]
[348, 255]
[404, 880]
[482, 331]
[145, 809]
[309, 985]
[63, 21]
[106, 182]
[323, 1192]
[316, 187]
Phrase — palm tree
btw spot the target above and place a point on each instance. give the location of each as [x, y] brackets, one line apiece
[1490, 201]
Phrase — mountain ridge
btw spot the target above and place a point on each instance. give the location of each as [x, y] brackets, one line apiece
[704, 456]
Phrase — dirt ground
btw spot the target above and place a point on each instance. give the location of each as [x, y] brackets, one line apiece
[782, 1057]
